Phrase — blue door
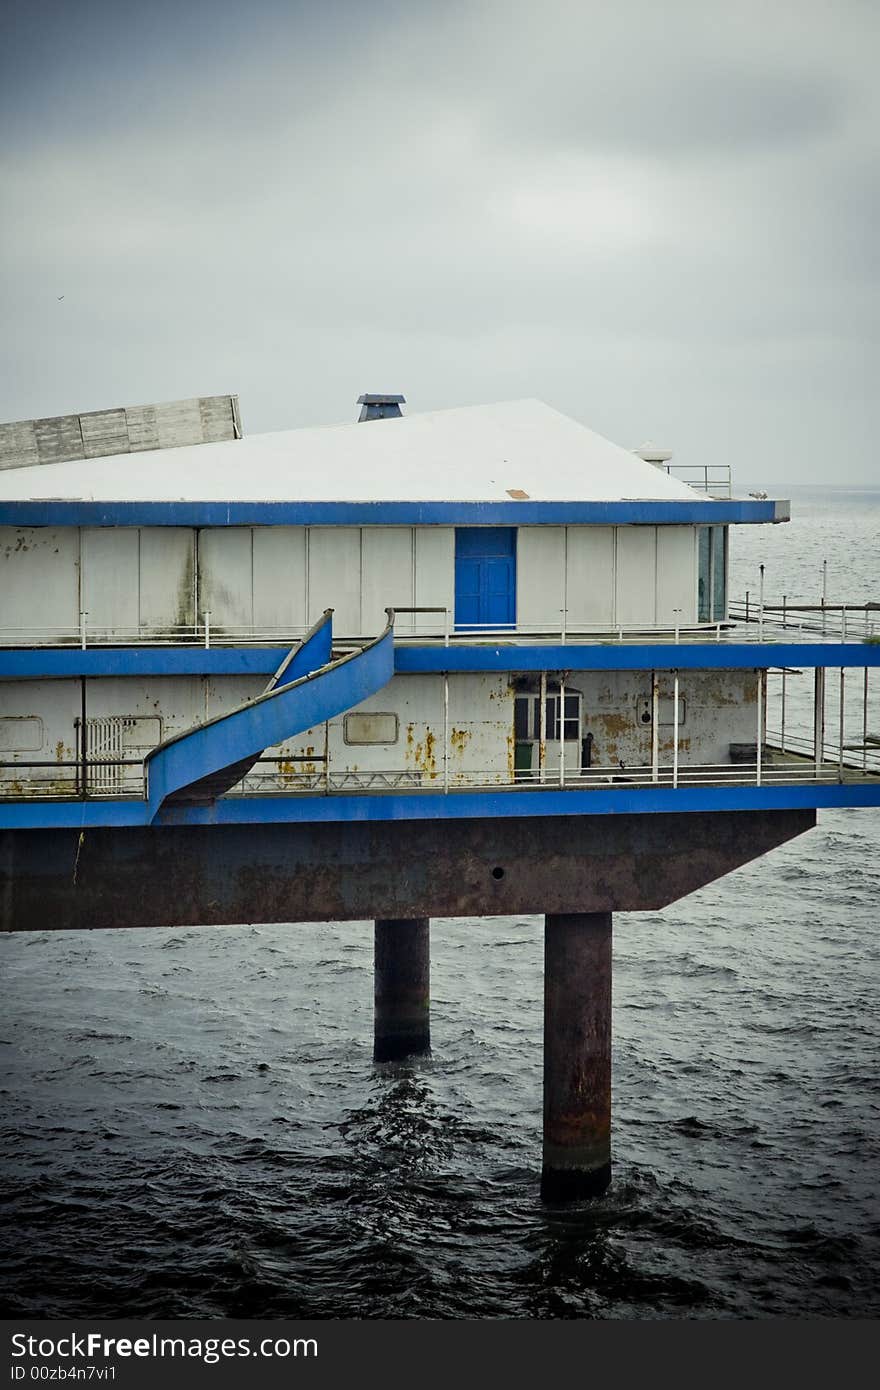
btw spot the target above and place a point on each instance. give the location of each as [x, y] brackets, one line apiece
[485, 576]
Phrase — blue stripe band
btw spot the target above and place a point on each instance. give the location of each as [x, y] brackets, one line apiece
[52, 662]
[24, 815]
[170, 513]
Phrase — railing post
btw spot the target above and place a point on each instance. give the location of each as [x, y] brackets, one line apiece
[446, 731]
[207, 627]
[761, 607]
[326, 757]
[446, 627]
[83, 614]
[843, 623]
[655, 729]
[747, 605]
[818, 718]
[542, 730]
[784, 601]
[675, 729]
[782, 730]
[865, 724]
[761, 679]
[840, 728]
[561, 719]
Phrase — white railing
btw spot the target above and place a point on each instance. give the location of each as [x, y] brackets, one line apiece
[274, 776]
[712, 478]
[855, 626]
[807, 622]
[750, 621]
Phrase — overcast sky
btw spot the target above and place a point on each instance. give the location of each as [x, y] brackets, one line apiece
[661, 219]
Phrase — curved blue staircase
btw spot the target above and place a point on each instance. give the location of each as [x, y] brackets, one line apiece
[310, 687]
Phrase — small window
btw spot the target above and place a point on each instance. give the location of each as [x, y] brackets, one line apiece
[527, 717]
[369, 728]
[21, 733]
[712, 574]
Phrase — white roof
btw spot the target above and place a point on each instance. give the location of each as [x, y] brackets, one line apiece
[484, 453]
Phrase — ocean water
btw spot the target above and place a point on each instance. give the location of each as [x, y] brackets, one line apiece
[192, 1124]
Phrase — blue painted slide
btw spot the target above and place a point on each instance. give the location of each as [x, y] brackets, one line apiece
[204, 762]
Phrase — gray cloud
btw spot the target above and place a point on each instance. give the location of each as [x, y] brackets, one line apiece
[658, 218]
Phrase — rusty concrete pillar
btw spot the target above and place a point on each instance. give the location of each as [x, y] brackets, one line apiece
[402, 966]
[577, 1055]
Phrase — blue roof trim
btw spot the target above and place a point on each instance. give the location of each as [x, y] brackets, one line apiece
[620, 656]
[254, 810]
[170, 513]
[63, 663]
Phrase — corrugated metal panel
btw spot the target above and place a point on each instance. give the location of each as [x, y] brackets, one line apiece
[122, 430]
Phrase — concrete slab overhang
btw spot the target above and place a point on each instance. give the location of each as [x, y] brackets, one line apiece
[215, 875]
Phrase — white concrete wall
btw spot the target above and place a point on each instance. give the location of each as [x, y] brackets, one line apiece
[606, 575]
[38, 721]
[39, 578]
[283, 577]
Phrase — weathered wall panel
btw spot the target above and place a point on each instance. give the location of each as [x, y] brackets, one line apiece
[280, 576]
[335, 577]
[635, 575]
[590, 552]
[167, 579]
[226, 585]
[39, 579]
[435, 574]
[110, 578]
[676, 574]
[387, 560]
[540, 577]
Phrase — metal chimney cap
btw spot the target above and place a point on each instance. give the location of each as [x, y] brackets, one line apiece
[379, 407]
[652, 453]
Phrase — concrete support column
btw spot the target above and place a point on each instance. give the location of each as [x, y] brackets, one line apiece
[402, 965]
[577, 1055]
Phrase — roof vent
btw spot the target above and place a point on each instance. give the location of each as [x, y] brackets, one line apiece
[380, 407]
[652, 453]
